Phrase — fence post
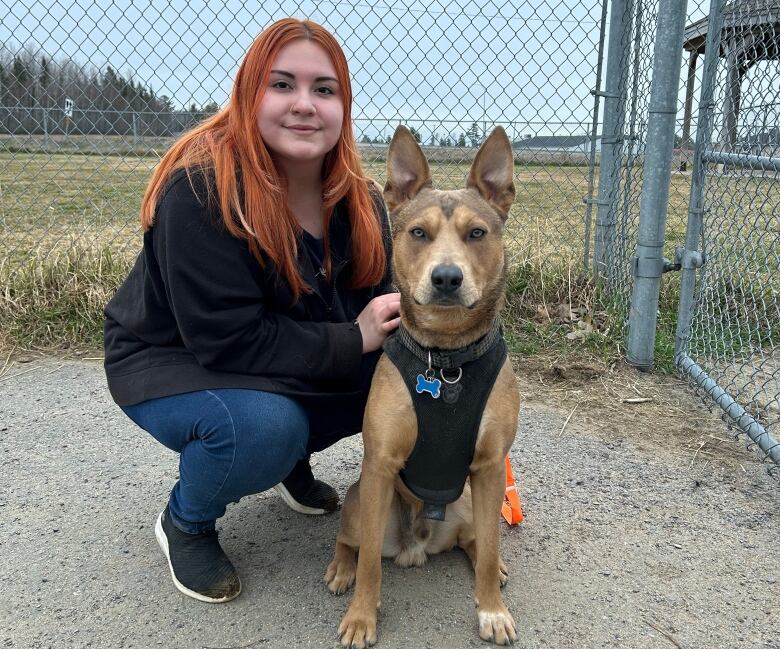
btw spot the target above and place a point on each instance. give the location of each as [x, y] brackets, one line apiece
[45, 129]
[648, 263]
[617, 259]
[593, 135]
[691, 258]
[614, 94]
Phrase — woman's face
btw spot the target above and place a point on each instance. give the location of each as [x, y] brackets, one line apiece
[301, 114]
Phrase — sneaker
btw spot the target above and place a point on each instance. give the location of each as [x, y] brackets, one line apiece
[199, 567]
[306, 495]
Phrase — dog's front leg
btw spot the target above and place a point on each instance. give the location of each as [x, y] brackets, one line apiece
[358, 628]
[487, 490]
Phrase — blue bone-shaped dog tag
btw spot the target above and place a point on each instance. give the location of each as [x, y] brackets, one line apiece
[424, 385]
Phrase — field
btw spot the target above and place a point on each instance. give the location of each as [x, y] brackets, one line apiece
[69, 225]
[52, 202]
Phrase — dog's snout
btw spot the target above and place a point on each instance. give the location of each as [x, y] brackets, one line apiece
[447, 278]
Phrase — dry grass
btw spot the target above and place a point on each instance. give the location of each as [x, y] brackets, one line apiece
[49, 200]
[59, 303]
[62, 215]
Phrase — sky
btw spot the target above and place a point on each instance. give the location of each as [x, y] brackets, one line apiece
[528, 64]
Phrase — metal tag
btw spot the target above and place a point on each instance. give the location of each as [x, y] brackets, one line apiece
[429, 385]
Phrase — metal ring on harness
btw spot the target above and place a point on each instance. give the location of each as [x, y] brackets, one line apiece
[453, 382]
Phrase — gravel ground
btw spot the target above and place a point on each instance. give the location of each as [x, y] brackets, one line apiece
[628, 541]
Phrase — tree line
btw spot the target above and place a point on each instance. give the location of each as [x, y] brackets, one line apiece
[30, 79]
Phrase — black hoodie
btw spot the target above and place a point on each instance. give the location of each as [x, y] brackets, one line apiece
[198, 311]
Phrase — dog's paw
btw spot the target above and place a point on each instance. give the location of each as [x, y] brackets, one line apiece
[358, 629]
[412, 556]
[497, 626]
[340, 576]
[503, 573]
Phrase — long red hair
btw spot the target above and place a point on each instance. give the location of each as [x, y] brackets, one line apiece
[228, 146]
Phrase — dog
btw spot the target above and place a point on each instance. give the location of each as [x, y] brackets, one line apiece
[449, 266]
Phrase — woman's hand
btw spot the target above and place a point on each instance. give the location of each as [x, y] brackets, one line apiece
[378, 319]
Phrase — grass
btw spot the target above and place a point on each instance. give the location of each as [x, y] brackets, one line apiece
[69, 225]
[57, 302]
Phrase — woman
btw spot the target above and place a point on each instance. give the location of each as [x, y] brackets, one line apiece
[246, 334]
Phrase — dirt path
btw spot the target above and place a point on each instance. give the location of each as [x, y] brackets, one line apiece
[637, 534]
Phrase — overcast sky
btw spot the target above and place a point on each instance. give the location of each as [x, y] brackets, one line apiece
[530, 64]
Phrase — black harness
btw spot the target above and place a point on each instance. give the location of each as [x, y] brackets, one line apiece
[449, 390]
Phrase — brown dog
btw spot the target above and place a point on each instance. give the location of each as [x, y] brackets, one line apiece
[449, 266]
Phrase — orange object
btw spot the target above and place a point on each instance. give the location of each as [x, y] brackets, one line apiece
[511, 510]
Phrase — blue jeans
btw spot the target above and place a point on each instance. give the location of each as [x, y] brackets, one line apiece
[232, 443]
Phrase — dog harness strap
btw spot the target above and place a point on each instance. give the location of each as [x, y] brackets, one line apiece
[437, 468]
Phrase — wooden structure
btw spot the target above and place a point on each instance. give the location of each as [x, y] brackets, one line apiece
[750, 33]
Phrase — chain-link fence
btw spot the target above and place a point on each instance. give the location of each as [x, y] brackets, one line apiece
[630, 75]
[92, 95]
[81, 79]
[729, 324]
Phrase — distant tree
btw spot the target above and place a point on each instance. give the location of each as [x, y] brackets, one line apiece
[44, 78]
[20, 73]
[416, 134]
[445, 141]
[378, 140]
[434, 139]
[20, 78]
[474, 135]
[365, 139]
[388, 139]
[462, 140]
[210, 108]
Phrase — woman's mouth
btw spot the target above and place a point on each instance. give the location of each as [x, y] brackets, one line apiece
[301, 128]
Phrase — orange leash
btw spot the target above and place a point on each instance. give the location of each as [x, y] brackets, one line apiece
[511, 509]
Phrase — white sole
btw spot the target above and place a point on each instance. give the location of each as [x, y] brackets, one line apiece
[163, 541]
[294, 504]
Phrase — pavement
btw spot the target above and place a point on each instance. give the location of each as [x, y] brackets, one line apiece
[623, 545]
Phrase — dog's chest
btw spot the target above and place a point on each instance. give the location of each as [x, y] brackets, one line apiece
[448, 406]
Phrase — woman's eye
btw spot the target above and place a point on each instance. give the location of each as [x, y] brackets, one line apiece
[418, 233]
[283, 85]
[477, 233]
[325, 91]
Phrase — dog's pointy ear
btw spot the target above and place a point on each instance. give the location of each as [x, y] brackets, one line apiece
[407, 169]
[493, 171]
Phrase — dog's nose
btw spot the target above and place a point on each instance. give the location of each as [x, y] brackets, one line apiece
[447, 278]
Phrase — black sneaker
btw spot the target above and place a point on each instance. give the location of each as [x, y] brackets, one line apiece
[306, 495]
[198, 565]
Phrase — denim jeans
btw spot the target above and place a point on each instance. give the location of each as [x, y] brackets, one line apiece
[233, 443]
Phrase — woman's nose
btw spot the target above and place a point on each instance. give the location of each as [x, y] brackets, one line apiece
[302, 104]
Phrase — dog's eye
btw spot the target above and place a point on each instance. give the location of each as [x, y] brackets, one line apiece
[418, 233]
[477, 233]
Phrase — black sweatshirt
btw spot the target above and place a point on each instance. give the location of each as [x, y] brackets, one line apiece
[198, 311]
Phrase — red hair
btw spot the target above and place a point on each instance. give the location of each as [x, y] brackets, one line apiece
[228, 145]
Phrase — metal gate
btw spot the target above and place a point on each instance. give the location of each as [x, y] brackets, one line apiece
[728, 336]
